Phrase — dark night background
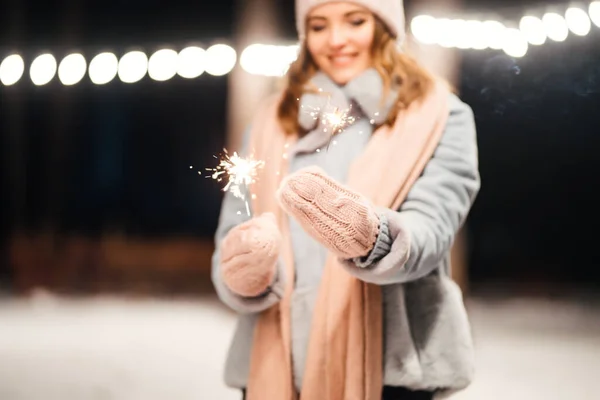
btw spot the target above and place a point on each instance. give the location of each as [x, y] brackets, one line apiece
[87, 160]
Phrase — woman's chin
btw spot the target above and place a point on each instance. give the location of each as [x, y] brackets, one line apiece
[342, 76]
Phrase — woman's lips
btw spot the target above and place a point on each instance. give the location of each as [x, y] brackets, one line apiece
[342, 60]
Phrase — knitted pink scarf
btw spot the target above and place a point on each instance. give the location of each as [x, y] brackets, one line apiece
[344, 360]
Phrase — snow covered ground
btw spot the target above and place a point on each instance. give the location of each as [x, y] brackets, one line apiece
[113, 348]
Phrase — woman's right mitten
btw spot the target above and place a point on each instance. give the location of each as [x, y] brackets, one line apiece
[249, 254]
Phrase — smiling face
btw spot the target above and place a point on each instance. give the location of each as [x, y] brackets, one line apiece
[339, 38]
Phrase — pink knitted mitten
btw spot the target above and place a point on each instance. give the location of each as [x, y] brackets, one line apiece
[339, 218]
[249, 255]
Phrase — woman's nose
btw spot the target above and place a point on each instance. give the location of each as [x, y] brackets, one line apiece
[337, 37]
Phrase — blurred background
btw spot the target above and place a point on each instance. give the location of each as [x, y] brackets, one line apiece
[110, 109]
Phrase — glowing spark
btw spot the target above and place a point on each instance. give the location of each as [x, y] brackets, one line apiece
[240, 172]
[338, 119]
[333, 119]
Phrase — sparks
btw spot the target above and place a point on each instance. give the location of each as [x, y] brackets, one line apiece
[333, 119]
[338, 119]
[240, 173]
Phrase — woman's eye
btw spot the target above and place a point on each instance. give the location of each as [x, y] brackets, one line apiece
[317, 28]
[358, 22]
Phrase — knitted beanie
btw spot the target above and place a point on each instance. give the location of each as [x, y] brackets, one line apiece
[391, 12]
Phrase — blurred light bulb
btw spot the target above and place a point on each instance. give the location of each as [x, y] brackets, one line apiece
[594, 12]
[493, 31]
[133, 66]
[268, 60]
[12, 69]
[72, 69]
[533, 30]
[515, 44]
[103, 68]
[555, 26]
[220, 59]
[163, 65]
[43, 69]
[475, 34]
[578, 21]
[423, 27]
[192, 61]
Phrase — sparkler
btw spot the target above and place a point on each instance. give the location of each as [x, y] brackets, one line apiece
[240, 172]
[337, 120]
[334, 119]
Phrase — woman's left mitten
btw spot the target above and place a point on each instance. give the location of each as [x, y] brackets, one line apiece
[338, 217]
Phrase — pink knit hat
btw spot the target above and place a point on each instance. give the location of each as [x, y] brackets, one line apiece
[391, 12]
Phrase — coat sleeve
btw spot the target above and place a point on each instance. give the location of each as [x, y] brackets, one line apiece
[414, 240]
[233, 212]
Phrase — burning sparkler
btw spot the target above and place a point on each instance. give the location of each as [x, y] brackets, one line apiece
[333, 119]
[240, 172]
[338, 119]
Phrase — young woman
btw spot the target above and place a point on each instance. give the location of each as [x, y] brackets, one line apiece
[341, 277]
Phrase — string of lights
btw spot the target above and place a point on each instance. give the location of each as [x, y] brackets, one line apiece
[467, 33]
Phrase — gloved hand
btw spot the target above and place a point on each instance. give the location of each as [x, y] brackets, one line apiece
[339, 218]
[249, 255]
